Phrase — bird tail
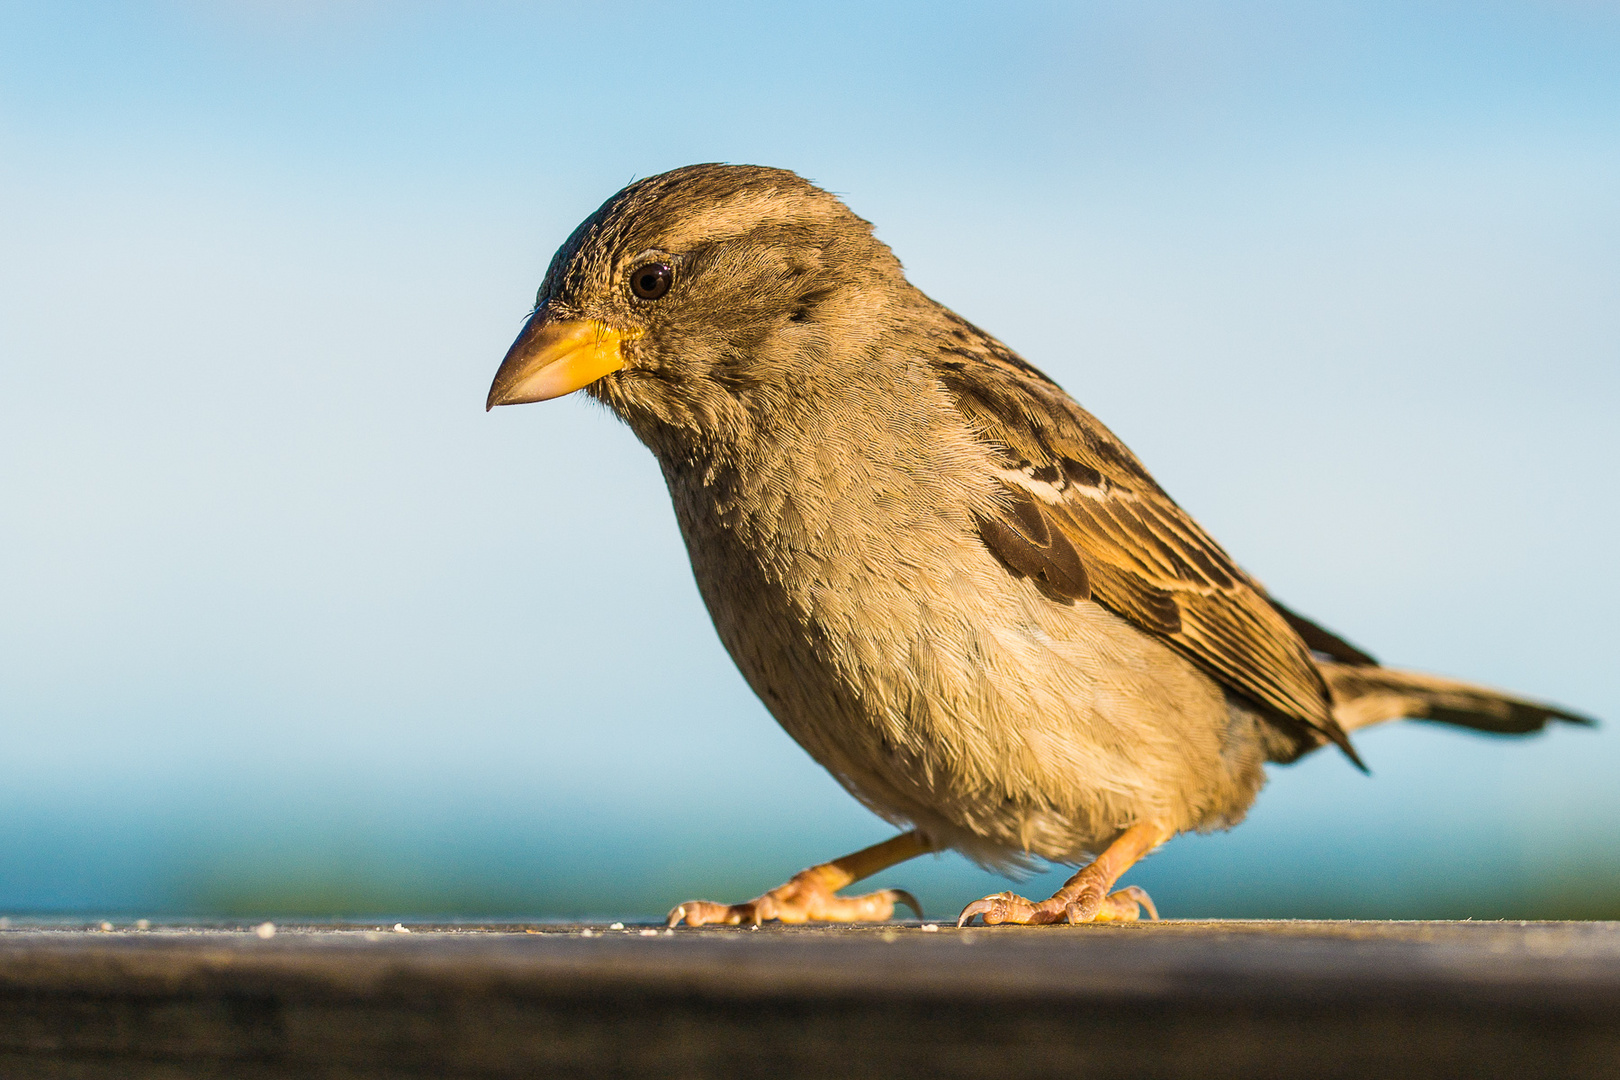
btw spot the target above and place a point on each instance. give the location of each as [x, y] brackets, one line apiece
[1364, 695]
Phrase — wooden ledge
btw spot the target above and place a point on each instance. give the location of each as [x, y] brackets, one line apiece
[1196, 999]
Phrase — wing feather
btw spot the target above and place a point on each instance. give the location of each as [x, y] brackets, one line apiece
[1084, 518]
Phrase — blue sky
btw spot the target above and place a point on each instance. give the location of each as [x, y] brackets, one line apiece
[281, 602]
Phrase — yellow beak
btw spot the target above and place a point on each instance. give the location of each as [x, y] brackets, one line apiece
[550, 359]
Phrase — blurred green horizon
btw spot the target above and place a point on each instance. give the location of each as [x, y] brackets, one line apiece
[375, 853]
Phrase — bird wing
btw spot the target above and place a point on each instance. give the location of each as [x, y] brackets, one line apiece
[1083, 518]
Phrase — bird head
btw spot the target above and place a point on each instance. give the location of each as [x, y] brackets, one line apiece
[697, 299]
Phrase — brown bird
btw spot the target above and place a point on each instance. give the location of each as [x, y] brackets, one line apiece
[952, 585]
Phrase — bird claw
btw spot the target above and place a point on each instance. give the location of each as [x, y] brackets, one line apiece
[1008, 907]
[706, 912]
[1138, 898]
[900, 896]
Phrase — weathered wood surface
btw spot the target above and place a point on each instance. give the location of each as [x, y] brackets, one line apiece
[1209, 1000]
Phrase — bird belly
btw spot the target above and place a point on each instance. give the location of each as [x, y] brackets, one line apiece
[946, 694]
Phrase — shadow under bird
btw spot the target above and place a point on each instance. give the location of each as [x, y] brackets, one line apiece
[952, 585]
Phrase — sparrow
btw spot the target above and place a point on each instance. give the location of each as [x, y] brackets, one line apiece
[955, 588]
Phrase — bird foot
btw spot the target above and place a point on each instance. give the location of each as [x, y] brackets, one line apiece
[1089, 905]
[1085, 897]
[808, 896]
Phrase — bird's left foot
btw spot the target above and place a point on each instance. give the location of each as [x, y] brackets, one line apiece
[1085, 897]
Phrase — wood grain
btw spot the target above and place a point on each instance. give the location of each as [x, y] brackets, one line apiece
[1174, 999]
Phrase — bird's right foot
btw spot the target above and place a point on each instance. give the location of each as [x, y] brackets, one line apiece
[812, 895]
[808, 896]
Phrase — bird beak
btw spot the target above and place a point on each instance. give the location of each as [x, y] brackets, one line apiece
[550, 359]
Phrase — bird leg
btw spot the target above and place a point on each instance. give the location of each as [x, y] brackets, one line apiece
[809, 895]
[1085, 896]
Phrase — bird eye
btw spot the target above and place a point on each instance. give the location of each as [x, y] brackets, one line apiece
[651, 281]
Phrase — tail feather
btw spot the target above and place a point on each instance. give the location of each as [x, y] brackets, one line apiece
[1363, 696]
